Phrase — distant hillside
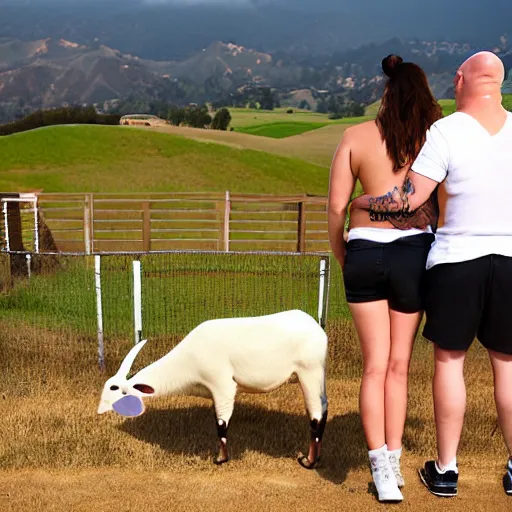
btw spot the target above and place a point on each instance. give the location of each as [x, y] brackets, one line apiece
[54, 72]
[116, 159]
[47, 73]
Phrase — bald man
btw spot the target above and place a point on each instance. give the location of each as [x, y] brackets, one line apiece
[468, 156]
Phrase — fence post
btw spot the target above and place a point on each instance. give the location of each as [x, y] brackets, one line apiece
[301, 227]
[91, 212]
[99, 311]
[323, 291]
[87, 224]
[6, 227]
[36, 226]
[146, 228]
[137, 301]
[29, 265]
[227, 211]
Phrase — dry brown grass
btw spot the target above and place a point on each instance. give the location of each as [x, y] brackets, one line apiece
[232, 490]
[58, 454]
[317, 146]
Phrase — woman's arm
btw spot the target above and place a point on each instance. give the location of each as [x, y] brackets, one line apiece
[341, 186]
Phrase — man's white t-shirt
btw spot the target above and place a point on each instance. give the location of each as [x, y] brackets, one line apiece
[476, 168]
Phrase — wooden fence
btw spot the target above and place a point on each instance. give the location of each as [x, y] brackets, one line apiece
[172, 221]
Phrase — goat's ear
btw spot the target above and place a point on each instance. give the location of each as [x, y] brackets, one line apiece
[144, 388]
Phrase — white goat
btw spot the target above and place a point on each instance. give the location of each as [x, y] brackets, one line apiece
[219, 357]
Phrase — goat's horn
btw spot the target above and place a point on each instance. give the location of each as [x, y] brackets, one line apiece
[126, 365]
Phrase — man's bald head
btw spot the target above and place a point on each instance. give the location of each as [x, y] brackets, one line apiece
[480, 75]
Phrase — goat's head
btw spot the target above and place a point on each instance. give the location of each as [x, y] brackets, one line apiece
[123, 396]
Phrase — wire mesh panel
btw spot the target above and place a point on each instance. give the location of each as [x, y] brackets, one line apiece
[47, 320]
[179, 291]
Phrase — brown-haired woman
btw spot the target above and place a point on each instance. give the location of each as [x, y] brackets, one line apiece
[383, 267]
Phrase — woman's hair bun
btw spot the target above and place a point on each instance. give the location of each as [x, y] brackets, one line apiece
[390, 65]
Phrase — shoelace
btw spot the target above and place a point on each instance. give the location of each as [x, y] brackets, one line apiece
[382, 467]
[395, 466]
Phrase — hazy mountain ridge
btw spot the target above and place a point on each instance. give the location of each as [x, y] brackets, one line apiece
[48, 73]
[51, 72]
[170, 30]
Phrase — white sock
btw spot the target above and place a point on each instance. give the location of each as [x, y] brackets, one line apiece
[452, 466]
[396, 453]
[378, 451]
[509, 465]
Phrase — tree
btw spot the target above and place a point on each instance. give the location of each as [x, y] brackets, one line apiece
[321, 106]
[267, 99]
[333, 105]
[221, 119]
[304, 105]
[197, 116]
[176, 115]
[358, 111]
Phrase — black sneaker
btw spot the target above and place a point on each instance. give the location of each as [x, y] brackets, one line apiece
[440, 484]
[507, 479]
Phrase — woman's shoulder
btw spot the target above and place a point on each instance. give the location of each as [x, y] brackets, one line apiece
[366, 126]
[361, 132]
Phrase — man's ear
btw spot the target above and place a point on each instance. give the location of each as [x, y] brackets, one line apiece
[459, 78]
[144, 388]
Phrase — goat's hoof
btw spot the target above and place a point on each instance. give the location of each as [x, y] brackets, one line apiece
[306, 463]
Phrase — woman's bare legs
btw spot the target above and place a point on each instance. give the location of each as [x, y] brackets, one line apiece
[387, 339]
[372, 322]
[404, 327]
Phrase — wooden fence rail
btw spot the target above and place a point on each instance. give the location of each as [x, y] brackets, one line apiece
[172, 221]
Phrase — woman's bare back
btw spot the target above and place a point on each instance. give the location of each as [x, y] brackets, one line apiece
[371, 164]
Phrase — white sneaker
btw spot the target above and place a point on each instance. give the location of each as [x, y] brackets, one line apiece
[384, 478]
[394, 462]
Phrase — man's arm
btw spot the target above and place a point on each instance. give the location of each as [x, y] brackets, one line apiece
[429, 169]
[415, 191]
[341, 186]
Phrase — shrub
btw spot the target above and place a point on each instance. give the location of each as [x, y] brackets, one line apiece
[57, 116]
[221, 119]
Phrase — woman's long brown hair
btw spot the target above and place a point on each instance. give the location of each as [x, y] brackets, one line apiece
[408, 109]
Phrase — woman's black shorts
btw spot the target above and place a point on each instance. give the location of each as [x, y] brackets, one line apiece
[393, 271]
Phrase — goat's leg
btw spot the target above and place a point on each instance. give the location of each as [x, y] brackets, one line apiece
[313, 389]
[224, 401]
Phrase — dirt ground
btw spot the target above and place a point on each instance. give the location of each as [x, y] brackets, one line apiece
[226, 489]
[58, 455]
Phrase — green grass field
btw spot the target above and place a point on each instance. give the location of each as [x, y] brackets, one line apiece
[179, 291]
[448, 106]
[280, 130]
[278, 124]
[118, 159]
[243, 117]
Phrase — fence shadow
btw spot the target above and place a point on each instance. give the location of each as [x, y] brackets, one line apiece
[192, 432]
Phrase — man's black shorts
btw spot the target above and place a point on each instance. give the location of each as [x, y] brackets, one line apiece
[470, 299]
[393, 271]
